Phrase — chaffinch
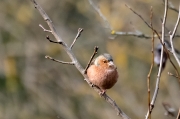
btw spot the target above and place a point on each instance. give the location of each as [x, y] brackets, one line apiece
[103, 72]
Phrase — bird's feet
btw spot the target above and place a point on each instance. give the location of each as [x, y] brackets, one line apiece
[102, 92]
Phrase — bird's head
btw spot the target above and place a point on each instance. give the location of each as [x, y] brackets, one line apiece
[104, 60]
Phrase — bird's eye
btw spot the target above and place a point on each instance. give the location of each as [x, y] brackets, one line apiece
[105, 61]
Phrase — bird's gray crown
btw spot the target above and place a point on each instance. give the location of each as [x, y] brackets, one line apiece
[108, 56]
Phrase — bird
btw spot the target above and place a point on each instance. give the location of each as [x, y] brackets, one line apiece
[157, 54]
[103, 72]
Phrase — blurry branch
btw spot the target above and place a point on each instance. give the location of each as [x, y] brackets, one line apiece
[177, 73]
[165, 49]
[161, 61]
[45, 29]
[77, 36]
[96, 7]
[172, 36]
[169, 110]
[170, 74]
[89, 63]
[152, 64]
[171, 6]
[138, 34]
[62, 62]
[47, 37]
[75, 61]
[178, 116]
[144, 21]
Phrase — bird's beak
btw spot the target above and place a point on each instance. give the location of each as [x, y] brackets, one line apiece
[111, 64]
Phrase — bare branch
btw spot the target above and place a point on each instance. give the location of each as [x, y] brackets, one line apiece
[171, 6]
[161, 61]
[172, 36]
[177, 73]
[45, 29]
[138, 34]
[100, 14]
[138, 15]
[47, 37]
[143, 21]
[62, 62]
[75, 61]
[77, 36]
[89, 63]
[152, 64]
[121, 33]
[178, 116]
[170, 74]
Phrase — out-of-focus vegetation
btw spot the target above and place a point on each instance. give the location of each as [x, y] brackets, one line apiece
[32, 87]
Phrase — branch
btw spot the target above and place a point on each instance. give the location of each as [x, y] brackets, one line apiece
[171, 6]
[45, 29]
[143, 20]
[160, 67]
[172, 36]
[89, 63]
[100, 14]
[178, 116]
[62, 62]
[138, 34]
[75, 61]
[152, 64]
[121, 33]
[47, 37]
[170, 74]
[77, 36]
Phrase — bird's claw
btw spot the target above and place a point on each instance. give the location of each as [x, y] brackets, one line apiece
[102, 93]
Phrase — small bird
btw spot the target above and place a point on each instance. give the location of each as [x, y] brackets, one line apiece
[103, 72]
[157, 54]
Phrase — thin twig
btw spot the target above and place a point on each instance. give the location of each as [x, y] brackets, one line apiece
[178, 116]
[172, 36]
[47, 37]
[100, 14]
[152, 64]
[176, 70]
[137, 34]
[45, 29]
[171, 6]
[160, 67]
[144, 21]
[89, 63]
[77, 36]
[62, 62]
[74, 59]
[170, 74]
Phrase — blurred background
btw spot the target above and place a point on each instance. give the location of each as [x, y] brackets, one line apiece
[32, 87]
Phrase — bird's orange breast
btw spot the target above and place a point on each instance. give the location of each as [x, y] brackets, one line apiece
[103, 77]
